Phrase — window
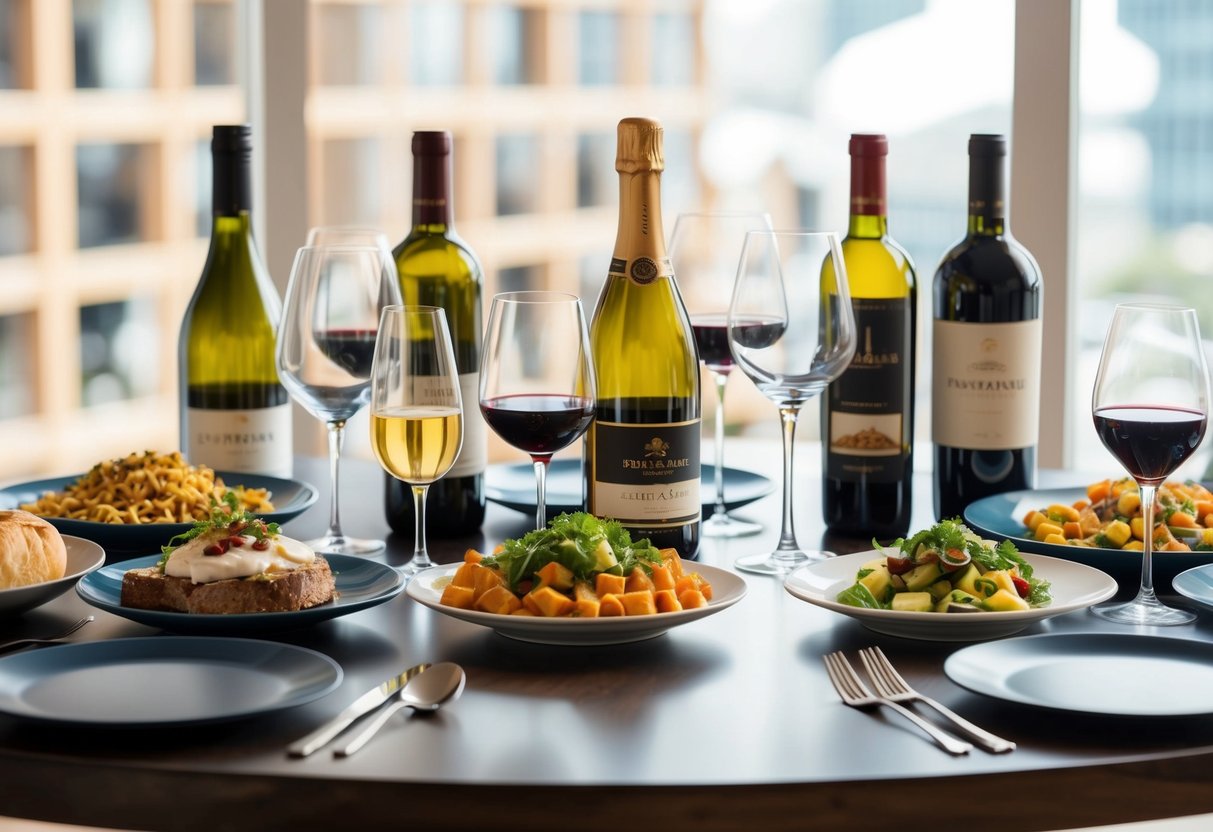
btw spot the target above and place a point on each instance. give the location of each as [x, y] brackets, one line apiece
[115, 45]
[109, 182]
[16, 365]
[15, 205]
[115, 340]
[215, 39]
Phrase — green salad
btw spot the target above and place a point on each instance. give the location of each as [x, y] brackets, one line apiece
[947, 568]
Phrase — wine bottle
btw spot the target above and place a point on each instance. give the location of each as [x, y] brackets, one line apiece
[235, 413]
[642, 450]
[985, 393]
[868, 413]
[437, 268]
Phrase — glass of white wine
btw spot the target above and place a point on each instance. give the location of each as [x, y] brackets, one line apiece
[416, 408]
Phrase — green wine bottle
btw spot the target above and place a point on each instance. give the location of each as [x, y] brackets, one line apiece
[235, 413]
[642, 450]
[437, 268]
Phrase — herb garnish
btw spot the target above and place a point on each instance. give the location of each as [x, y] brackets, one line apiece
[225, 514]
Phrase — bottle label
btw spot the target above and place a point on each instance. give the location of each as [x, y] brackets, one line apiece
[867, 428]
[646, 475]
[986, 391]
[641, 270]
[254, 441]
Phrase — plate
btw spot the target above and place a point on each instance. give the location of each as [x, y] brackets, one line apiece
[291, 498]
[1074, 587]
[999, 517]
[83, 556]
[513, 486]
[1116, 674]
[727, 589]
[361, 583]
[1196, 583]
[183, 681]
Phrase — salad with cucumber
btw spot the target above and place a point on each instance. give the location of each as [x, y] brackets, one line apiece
[947, 568]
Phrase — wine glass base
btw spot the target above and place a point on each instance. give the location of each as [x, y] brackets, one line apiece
[342, 545]
[1140, 611]
[779, 563]
[723, 525]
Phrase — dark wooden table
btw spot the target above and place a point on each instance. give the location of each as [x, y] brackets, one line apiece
[726, 723]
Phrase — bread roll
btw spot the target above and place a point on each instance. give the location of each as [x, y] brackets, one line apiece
[31, 550]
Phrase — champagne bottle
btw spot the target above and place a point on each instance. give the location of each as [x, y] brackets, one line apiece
[868, 412]
[985, 396]
[642, 450]
[437, 268]
[235, 413]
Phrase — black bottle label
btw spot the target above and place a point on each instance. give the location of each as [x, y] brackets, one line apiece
[867, 403]
[647, 473]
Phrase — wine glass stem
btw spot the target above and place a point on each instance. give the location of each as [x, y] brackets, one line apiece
[1146, 592]
[721, 380]
[336, 431]
[421, 557]
[541, 490]
[787, 537]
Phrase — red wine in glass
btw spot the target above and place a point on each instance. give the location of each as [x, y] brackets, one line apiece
[538, 423]
[712, 337]
[350, 349]
[1151, 441]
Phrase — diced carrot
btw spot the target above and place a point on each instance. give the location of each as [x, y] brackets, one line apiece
[609, 605]
[462, 597]
[1182, 520]
[692, 599]
[1204, 508]
[1099, 490]
[666, 601]
[663, 578]
[586, 601]
[551, 604]
[671, 559]
[638, 581]
[1071, 529]
[465, 575]
[606, 584]
[498, 600]
[472, 556]
[639, 602]
[1081, 504]
[486, 579]
[555, 575]
[523, 611]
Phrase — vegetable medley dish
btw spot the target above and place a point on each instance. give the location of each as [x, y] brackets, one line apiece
[1110, 518]
[948, 568]
[579, 567]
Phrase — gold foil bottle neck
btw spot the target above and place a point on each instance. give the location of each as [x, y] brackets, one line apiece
[639, 147]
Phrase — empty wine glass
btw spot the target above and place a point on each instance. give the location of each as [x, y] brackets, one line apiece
[537, 388]
[1150, 405]
[416, 409]
[792, 332]
[325, 344]
[704, 250]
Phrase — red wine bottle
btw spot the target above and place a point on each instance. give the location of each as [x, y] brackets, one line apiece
[985, 396]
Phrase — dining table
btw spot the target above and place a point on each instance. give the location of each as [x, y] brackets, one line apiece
[724, 723]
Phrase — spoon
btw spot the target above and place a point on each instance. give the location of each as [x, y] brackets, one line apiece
[427, 691]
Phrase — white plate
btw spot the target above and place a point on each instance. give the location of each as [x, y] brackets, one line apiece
[727, 589]
[1116, 674]
[1074, 587]
[83, 556]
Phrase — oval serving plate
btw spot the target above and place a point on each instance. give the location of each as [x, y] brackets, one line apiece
[1073, 587]
[83, 556]
[727, 589]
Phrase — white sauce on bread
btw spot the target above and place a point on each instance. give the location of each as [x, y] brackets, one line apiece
[190, 560]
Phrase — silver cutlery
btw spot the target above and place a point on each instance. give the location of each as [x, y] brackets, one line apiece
[890, 685]
[360, 707]
[854, 693]
[58, 638]
[428, 692]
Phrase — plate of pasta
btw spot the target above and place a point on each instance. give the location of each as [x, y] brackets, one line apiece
[137, 503]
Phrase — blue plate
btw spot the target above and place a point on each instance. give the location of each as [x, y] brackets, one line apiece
[290, 497]
[1001, 517]
[361, 583]
[1196, 583]
[181, 681]
[513, 486]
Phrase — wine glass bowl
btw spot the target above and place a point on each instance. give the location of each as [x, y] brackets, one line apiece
[537, 387]
[1150, 407]
[704, 250]
[324, 349]
[791, 331]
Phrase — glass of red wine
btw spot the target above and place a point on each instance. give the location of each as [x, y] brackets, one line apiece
[1150, 405]
[326, 342]
[792, 332]
[704, 250]
[537, 387]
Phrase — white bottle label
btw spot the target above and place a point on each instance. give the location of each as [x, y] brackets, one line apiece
[252, 441]
[985, 395]
[474, 454]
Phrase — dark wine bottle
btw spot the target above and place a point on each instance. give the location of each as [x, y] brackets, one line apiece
[437, 268]
[867, 415]
[235, 414]
[642, 450]
[985, 392]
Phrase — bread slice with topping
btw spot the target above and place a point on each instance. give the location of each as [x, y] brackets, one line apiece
[286, 591]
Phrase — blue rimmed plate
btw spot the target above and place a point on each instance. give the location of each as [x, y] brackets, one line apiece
[290, 497]
[361, 583]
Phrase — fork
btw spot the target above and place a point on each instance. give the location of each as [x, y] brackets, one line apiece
[856, 694]
[890, 685]
[39, 642]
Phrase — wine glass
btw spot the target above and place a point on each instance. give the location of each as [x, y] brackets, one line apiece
[792, 332]
[416, 409]
[325, 344]
[1150, 405]
[537, 388]
[704, 250]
